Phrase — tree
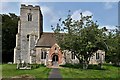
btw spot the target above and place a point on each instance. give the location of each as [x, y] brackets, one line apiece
[113, 41]
[81, 37]
[9, 30]
[118, 48]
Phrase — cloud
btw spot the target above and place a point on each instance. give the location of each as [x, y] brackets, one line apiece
[87, 13]
[46, 9]
[108, 5]
[49, 14]
[76, 14]
[108, 26]
[29, 3]
[50, 17]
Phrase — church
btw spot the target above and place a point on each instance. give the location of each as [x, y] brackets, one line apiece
[35, 46]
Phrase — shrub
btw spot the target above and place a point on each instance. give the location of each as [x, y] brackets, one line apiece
[72, 65]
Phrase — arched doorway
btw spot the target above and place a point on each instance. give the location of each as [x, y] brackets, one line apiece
[55, 60]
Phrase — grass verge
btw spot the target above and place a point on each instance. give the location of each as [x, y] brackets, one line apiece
[9, 70]
[108, 71]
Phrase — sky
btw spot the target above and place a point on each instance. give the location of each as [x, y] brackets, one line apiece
[106, 13]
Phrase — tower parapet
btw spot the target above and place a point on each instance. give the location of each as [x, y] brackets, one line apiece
[23, 6]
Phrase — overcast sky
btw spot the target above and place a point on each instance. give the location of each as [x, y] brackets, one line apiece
[106, 13]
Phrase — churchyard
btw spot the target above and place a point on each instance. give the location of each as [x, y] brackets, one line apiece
[10, 70]
[67, 71]
[82, 44]
[107, 71]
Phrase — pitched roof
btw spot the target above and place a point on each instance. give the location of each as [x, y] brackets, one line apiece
[47, 40]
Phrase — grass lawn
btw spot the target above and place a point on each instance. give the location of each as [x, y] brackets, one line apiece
[9, 70]
[109, 72]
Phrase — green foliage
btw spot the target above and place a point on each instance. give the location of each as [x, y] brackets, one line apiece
[68, 65]
[9, 70]
[79, 66]
[113, 42]
[34, 66]
[9, 30]
[82, 37]
[109, 72]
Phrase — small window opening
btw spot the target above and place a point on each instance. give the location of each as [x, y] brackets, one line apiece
[43, 54]
[29, 17]
[73, 56]
[27, 37]
[97, 55]
[55, 48]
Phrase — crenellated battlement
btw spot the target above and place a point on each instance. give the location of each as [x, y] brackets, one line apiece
[23, 6]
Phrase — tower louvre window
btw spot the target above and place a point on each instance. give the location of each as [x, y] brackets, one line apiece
[29, 17]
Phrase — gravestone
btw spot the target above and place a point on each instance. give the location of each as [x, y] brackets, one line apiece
[23, 65]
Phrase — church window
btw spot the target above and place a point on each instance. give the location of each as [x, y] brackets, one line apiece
[29, 17]
[42, 54]
[27, 37]
[92, 57]
[55, 48]
[97, 55]
[73, 56]
[45, 55]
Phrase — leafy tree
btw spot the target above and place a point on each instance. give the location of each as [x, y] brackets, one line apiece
[118, 49]
[113, 41]
[9, 30]
[81, 37]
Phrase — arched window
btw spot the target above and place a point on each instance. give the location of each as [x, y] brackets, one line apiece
[28, 37]
[73, 55]
[97, 55]
[55, 48]
[43, 54]
[29, 17]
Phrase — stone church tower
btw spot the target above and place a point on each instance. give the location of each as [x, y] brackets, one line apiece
[30, 28]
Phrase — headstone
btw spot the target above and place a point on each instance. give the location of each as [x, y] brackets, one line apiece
[18, 65]
[45, 62]
[23, 65]
[110, 62]
[9, 62]
[49, 62]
